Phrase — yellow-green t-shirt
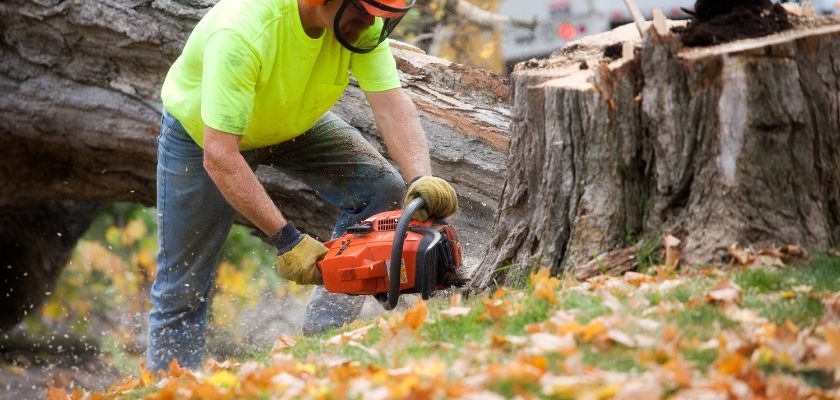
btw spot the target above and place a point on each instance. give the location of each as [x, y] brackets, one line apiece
[248, 68]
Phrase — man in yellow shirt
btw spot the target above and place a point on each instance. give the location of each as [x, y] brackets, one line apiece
[253, 86]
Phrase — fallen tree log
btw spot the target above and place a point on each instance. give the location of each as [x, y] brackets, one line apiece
[80, 111]
[738, 142]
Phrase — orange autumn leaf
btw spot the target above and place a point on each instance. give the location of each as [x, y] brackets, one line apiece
[680, 370]
[540, 276]
[283, 343]
[592, 330]
[495, 308]
[545, 286]
[55, 393]
[146, 377]
[128, 383]
[731, 363]
[415, 316]
[637, 279]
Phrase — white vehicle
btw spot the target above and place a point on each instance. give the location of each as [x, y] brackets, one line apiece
[562, 21]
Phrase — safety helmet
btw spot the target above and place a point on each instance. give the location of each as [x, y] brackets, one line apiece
[386, 15]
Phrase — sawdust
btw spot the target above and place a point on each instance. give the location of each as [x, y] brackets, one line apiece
[720, 21]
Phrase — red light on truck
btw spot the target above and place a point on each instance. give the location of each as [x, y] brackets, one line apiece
[566, 31]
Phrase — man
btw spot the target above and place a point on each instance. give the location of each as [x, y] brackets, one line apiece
[253, 86]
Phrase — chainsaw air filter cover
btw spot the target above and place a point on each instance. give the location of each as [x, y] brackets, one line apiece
[358, 262]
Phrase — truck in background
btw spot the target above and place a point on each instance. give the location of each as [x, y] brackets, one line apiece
[561, 21]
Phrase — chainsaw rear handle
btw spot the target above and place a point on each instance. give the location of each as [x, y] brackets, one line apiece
[396, 252]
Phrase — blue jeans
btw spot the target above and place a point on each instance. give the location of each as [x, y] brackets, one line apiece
[194, 220]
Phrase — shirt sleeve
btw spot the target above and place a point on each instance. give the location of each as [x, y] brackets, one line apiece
[376, 71]
[228, 82]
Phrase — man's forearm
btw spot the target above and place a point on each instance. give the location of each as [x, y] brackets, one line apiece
[405, 140]
[241, 188]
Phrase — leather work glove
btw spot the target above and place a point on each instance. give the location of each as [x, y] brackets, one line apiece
[441, 199]
[297, 255]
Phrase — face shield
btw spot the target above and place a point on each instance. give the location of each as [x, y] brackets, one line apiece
[361, 25]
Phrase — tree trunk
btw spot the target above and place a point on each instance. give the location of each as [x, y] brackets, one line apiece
[734, 143]
[80, 114]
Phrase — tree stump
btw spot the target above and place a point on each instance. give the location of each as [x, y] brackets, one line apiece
[738, 142]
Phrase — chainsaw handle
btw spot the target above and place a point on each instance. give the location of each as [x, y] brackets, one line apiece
[396, 251]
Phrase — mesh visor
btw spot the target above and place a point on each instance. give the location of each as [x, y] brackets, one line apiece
[361, 25]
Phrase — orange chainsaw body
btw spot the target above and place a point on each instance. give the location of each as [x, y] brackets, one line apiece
[358, 262]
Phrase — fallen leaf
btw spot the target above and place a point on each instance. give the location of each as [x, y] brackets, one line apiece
[782, 387]
[636, 279]
[283, 343]
[725, 291]
[128, 383]
[54, 393]
[672, 252]
[730, 363]
[739, 256]
[454, 312]
[455, 300]
[222, 379]
[592, 330]
[621, 338]
[354, 335]
[544, 285]
[549, 343]
[146, 377]
[680, 370]
[415, 316]
[212, 365]
[791, 252]
[832, 336]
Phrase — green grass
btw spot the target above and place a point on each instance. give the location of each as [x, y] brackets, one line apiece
[760, 280]
[535, 310]
[469, 328]
[616, 358]
[702, 359]
[647, 257]
[588, 307]
[702, 322]
[762, 289]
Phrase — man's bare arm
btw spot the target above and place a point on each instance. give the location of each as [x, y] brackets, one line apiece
[237, 182]
[397, 119]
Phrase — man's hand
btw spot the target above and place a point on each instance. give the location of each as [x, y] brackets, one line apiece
[441, 199]
[298, 255]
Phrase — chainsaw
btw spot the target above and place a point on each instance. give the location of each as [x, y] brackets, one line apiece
[390, 254]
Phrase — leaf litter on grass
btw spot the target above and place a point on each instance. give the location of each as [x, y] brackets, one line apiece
[695, 333]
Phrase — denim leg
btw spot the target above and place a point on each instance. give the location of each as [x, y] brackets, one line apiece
[193, 222]
[345, 170]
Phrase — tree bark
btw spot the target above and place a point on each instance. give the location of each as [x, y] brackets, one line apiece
[734, 143]
[80, 112]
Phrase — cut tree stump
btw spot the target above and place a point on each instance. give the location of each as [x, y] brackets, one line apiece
[80, 112]
[734, 143]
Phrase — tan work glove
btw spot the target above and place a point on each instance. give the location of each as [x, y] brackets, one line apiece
[298, 254]
[298, 264]
[441, 199]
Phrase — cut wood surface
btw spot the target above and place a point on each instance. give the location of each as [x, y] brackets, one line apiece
[736, 143]
[80, 112]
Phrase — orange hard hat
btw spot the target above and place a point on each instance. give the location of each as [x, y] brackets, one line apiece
[386, 8]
